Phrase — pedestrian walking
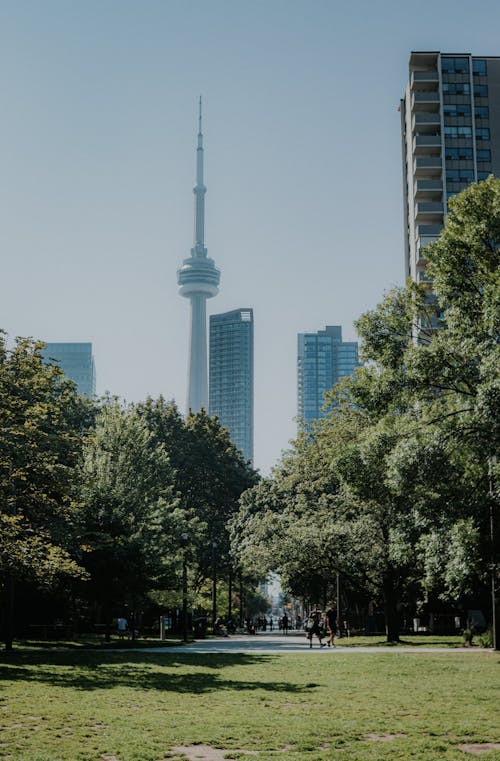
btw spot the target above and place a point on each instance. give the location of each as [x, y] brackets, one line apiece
[331, 624]
[313, 628]
[284, 624]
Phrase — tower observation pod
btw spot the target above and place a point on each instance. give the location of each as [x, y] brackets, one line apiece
[198, 279]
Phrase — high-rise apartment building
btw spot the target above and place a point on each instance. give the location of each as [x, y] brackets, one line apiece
[450, 125]
[322, 360]
[231, 375]
[77, 362]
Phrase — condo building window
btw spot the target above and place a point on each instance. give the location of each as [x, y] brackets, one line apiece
[457, 154]
[459, 175]
[482, 112]
[481, 91]
[483, 154]
[457, 109]
[482, 133]
[456, 88]
[479, 67]
[459, 131]
[455, 65]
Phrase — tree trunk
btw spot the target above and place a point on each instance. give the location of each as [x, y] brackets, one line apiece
[390, 609]
[8, 616]
[107, 625]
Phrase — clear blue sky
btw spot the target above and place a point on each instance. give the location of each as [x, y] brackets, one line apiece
[303, 169]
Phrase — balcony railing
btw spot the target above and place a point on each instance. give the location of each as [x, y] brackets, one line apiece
[426, 100]
[429, 208]
[430, 144]
[427, 165]
[428, 231]
[428, 186]
[424, 76]
[424, 120]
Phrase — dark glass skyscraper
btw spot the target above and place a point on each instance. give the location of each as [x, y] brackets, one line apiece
[77, 362]
[322, 360]
[231, 375]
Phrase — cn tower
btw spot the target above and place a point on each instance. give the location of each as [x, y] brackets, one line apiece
[198, 280]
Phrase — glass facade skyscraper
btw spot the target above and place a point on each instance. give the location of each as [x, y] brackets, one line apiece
[77, 362]
[231, 375]
[322, 360]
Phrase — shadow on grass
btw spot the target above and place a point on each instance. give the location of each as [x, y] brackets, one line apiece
[106, 671]
[97, 644]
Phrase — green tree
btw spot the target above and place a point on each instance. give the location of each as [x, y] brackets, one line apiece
[210, 474]
[132, 522]
[41, 425]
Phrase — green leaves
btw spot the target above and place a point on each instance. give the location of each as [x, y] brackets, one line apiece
[41, 420]
[391, 487]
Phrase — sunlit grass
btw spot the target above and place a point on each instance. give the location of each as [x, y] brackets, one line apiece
[83, 706]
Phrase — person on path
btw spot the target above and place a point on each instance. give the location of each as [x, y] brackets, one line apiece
[313, 628]
[285, 624]
[331, 622]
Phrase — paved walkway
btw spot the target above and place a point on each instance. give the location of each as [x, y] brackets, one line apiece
[295, 642]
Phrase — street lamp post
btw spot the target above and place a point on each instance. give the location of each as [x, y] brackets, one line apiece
[230, 595]
[184, 542]
[338, 602]
[491, 490]
[242, 618]
[214, 584]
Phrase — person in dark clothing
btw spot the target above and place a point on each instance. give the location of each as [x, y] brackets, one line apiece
[331, 622]
[284, 623]
[314, 628]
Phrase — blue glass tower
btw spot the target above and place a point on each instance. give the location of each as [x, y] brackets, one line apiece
[322, 360]
[76, 361]
[231, 375]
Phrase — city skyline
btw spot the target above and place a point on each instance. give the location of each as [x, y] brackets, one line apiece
[304, 164]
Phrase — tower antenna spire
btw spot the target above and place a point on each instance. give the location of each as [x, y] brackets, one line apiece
[198, 279]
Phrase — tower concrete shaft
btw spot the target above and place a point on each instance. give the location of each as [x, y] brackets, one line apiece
[198, 279]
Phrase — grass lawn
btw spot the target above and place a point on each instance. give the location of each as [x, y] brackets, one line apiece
[138, 706]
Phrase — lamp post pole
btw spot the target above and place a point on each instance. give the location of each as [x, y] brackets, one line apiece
[338, 602]
[491, 490]
[242, 617]
[184, 540]
[214, 584]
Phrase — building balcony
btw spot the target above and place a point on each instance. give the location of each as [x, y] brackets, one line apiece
[424, 78]
[427, 144]
[425, 190]
[429, 212]
[425, 166]
[426, 234]
[425, 122]
[427, 100]
[422, 242]
[423, 277]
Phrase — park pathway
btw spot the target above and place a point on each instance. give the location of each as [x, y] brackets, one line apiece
[295, 642]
